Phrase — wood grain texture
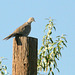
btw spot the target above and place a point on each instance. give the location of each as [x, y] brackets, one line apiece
[24, 56]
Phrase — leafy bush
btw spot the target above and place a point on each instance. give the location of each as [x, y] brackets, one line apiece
[50, 50]
[3, 68]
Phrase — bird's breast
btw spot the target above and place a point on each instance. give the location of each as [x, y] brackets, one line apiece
[26, 30]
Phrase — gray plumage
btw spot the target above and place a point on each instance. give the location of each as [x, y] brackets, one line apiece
[23, 30]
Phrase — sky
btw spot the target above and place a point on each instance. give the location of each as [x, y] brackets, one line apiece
[14, 13]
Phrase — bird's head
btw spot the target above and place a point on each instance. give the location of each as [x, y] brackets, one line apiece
[30, 20]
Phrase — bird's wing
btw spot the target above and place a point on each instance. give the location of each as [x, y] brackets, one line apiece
[20, 29]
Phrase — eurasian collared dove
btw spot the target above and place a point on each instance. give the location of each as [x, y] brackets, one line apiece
[23, 30]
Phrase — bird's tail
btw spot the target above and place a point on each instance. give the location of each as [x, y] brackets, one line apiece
[8, 37]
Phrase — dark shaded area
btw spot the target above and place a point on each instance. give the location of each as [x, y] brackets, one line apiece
[18, 41]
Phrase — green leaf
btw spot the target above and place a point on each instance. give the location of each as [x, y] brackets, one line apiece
[44, 66]
[44, 36]
[42, 47]
[56, 56]
[54, 65]
[52, 73]
[57, 36]
[5, 67]
[54, 43]
[50, 68]
[51, 60]
[64, 44]
[51, 40]
[58, 70]
[49, 73]
[46, 59]
[50, 33]
[47, 25]
[59, 48]
[50, 48]
[64, 39]
[2, 72]
[54, 28]
[0, 62]
[52, 23]
[40, 55]
[0, 69]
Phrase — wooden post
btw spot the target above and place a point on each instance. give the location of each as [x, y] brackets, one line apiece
[24, 56]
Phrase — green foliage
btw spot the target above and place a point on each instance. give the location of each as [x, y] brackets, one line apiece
[3, 68]
[50, 51]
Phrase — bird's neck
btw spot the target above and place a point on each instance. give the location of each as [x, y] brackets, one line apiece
[29, 21]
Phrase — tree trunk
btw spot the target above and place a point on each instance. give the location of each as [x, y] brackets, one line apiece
[24, 56]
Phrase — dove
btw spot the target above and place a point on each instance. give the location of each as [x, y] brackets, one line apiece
[23, 30]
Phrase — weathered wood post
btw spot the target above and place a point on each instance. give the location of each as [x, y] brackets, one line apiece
[24, 56]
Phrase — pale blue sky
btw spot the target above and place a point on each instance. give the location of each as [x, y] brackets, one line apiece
[14, 13]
